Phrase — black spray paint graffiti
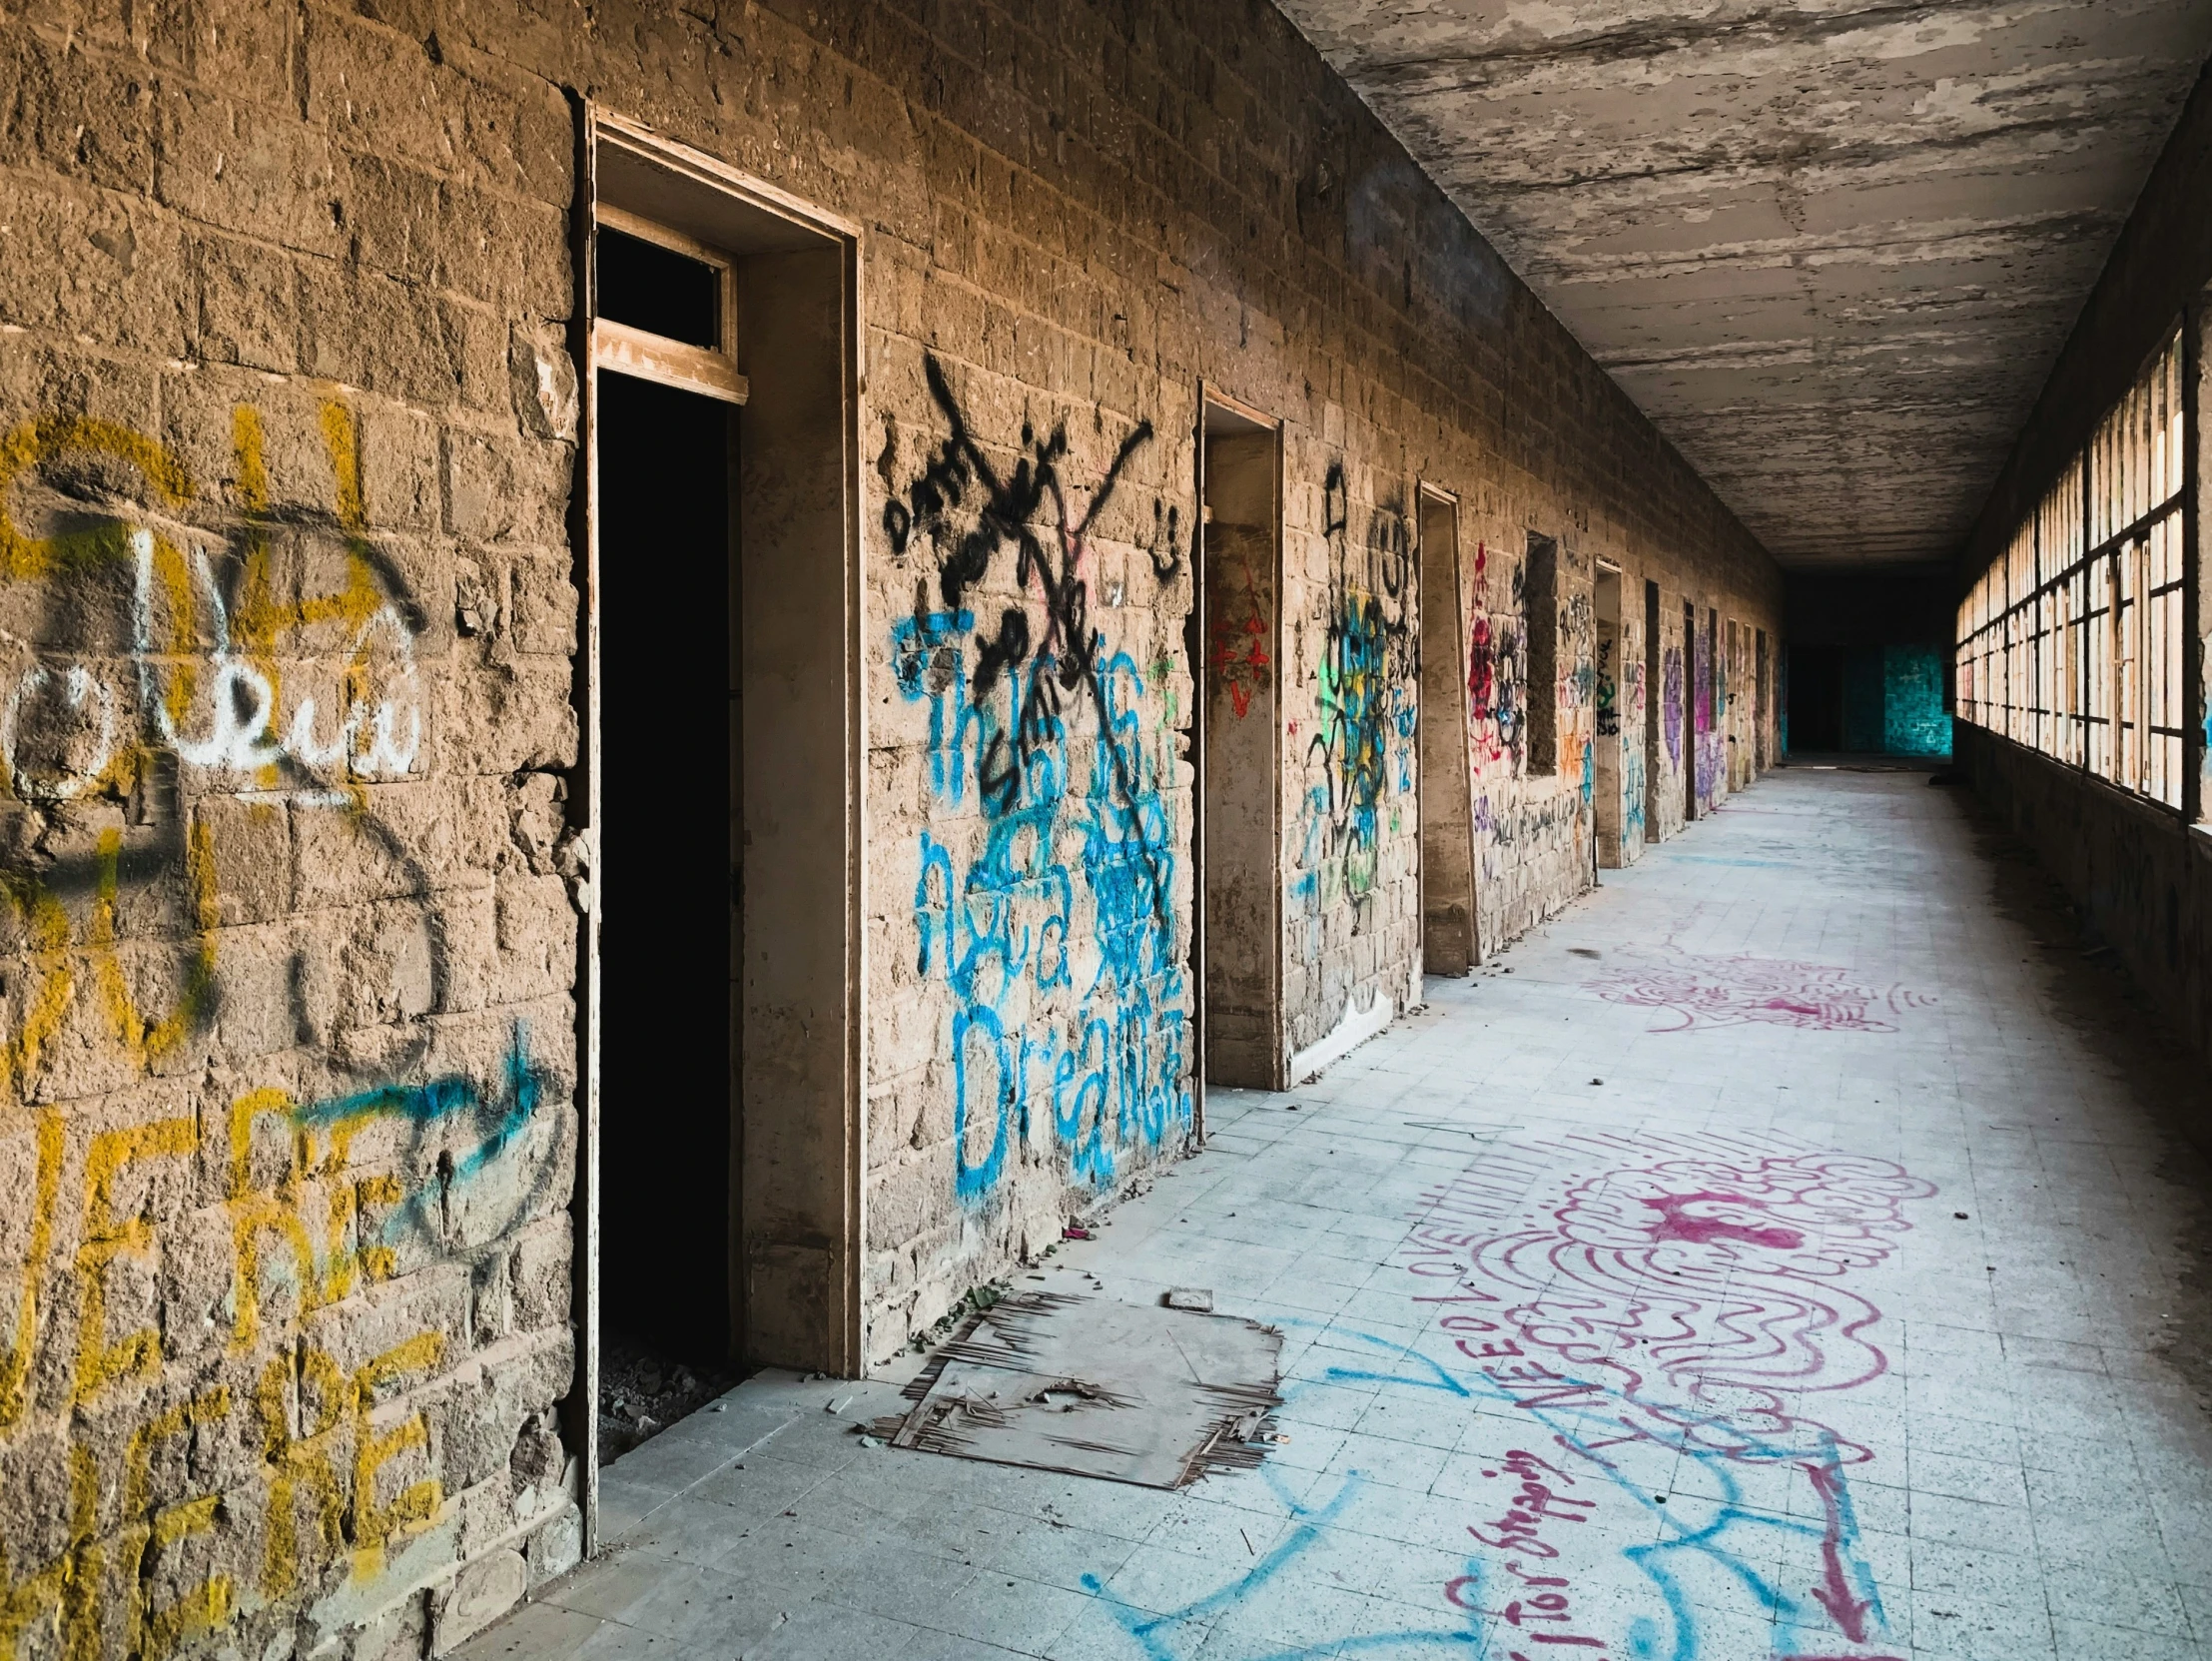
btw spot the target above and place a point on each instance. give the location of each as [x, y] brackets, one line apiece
[1609, 694]
[1004, 512]
[210, 613]
[1069, 852]
[1369, 671]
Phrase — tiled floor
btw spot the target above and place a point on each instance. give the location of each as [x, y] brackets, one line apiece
[1848, 1315]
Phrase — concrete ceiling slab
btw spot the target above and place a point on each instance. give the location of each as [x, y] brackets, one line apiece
[1831, 247]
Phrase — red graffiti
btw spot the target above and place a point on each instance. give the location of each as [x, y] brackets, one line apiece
[1536, 1501]
[1241, 660]
[1236, 648]
[1692, 1300]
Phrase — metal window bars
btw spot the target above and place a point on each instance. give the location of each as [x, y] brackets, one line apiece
[2070, 642]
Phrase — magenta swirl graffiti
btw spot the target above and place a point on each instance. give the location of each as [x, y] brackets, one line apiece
[1738, 991]
[1705, 1295]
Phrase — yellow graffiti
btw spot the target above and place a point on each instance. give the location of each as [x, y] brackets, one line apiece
[75, 1587]
[254, 616]
[375, 1525]
[309, 1462]
[107, 1237]
[256, 1213]
[177, 624]
[143, 1039]
[55, 981]
[39, 440]
[15, 1370]
[341, 437]
[82, 1571]
[23, 1603]
[336, 1465]
[152, 1632]
[350, 1469]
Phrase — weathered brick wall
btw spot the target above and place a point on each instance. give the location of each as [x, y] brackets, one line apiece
[289, 1060]
[287, 434]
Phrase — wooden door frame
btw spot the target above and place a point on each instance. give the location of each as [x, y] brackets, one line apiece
[598, 126]
[1425, 491]
[1210, 394]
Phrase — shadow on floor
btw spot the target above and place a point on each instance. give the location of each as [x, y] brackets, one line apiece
[2094, 998]
[1850, 761]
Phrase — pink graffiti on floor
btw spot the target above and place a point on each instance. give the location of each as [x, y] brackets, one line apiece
[1703, 1293]
[1676, 1224]
[1707, 1292]
[1687, 1289]
[1738, 991]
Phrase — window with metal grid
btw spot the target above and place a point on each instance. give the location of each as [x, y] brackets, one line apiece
[2070, 642]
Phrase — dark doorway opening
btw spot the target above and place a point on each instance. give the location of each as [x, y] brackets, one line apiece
[720, 1184]
[1609, 850]
[1815, 698]
[1448, 935]
[1690, 708]
[1764, 701]
[1543, 655]
[1238, 763]
[668, 1160]
[1655, 742]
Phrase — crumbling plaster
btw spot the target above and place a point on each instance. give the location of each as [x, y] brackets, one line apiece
[1830, 247]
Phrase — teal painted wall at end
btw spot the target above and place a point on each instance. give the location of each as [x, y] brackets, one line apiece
[1914, 718]
[1872, 700]
[1865, 726]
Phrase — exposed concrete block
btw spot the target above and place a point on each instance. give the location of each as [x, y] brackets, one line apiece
[395, 1634]
[556, 1547]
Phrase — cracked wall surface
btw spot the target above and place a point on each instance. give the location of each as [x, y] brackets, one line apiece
[1832, 248]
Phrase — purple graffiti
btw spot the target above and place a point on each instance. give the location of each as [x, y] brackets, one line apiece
[1678, 1289]
[1708, 1292]
[1742, 991]
[1670, 703]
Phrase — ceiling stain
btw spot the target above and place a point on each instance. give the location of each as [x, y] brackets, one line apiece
[1831, 247]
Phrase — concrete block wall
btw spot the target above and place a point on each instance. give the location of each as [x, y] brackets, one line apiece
[289, 931]
[288, 845]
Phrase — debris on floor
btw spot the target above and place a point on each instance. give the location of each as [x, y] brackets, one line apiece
[1140, 1393]
[642, 1391]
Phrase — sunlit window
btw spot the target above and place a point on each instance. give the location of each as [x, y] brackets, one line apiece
[2070, 642]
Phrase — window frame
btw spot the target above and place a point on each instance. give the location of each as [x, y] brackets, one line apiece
[2071, 641]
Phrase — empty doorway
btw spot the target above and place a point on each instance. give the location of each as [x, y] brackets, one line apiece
[1655, 741]
[1692, 716]
[722, 1148]
[1448, 942]
[1737, 699]
[1240, 522]
[1712, 713]
[1762, 702]
[1606, 764]
[668, 1156]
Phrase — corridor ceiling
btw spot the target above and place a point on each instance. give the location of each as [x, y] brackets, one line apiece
[1831, 247]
